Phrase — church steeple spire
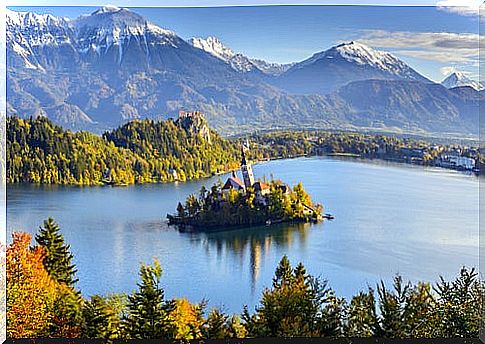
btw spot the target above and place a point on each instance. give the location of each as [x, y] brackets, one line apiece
[246, 168]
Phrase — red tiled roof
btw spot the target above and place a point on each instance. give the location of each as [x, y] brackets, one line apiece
[260, 186]
[233, 183]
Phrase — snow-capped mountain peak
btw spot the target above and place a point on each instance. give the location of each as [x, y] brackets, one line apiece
[213, 46]
[107, 31]
[237, 61]
[459, 79]
[363, 55]
[28, 32]
[110, 25]
[110, 18]
[26, 19]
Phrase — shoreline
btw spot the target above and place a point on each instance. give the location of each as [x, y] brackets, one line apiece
[198, 228]
[350, 156]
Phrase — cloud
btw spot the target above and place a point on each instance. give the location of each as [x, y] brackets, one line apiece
[447, 70]
[448, 47]
[462, 7]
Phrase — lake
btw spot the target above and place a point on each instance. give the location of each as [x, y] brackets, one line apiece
[389, 218]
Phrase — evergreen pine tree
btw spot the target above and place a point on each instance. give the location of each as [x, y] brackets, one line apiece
[148, 313]
[96, 318]
[216, 325]
[58, 261]
[283, 274]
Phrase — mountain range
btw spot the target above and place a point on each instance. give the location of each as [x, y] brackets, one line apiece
[111, 66]
[237, 61]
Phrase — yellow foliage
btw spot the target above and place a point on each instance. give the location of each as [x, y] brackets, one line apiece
[187, 319]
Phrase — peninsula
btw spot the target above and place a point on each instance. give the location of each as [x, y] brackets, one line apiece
[246, 202]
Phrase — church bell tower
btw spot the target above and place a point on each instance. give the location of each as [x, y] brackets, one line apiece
[246, 168]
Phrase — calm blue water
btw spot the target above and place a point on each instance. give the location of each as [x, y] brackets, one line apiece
[389, 219]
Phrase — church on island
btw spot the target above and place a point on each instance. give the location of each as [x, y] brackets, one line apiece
[261, 189]
[245, 202]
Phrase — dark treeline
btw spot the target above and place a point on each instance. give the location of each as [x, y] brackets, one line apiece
[42, 301]
[286, 144]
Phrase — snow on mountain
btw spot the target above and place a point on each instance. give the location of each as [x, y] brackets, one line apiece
[328, 70]
[459, 79]
[28, 32]
[272, 68]
[38, 29]
[237, 61]
[114, 26]
[213, 46]
[361, 54]
[108, 34]
[112, 65]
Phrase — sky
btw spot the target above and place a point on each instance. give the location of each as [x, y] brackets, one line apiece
[434, 40]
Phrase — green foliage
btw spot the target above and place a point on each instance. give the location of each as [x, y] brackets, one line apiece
[148, 151]
[138, 152]
[38, 305]
[219, 325]
[58, 261]
[216, 325]
[216, 207]
[148, 313]
[403, 308]
[361, 315]
[287, 144]
[298, 305]
[102, 316]
[458, 308]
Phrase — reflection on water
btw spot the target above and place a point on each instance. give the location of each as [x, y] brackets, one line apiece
[389, 218]
[255, 242]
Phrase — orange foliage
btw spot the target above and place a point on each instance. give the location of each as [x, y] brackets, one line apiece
[29, 289]
[32, 294]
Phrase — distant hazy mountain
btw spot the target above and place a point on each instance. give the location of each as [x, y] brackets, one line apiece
[326, 71]
[237, 61]
[459, 79]
[111, 66]
[410, 105]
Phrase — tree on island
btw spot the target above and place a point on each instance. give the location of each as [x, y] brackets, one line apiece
[218, 207]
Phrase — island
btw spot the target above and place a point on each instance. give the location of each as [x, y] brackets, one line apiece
[246, 202]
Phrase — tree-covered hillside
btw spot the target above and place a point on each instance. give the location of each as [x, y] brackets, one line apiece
[138, 152]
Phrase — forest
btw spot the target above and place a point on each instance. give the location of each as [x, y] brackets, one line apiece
[138, 152]
[148, 151]
[43, 301]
